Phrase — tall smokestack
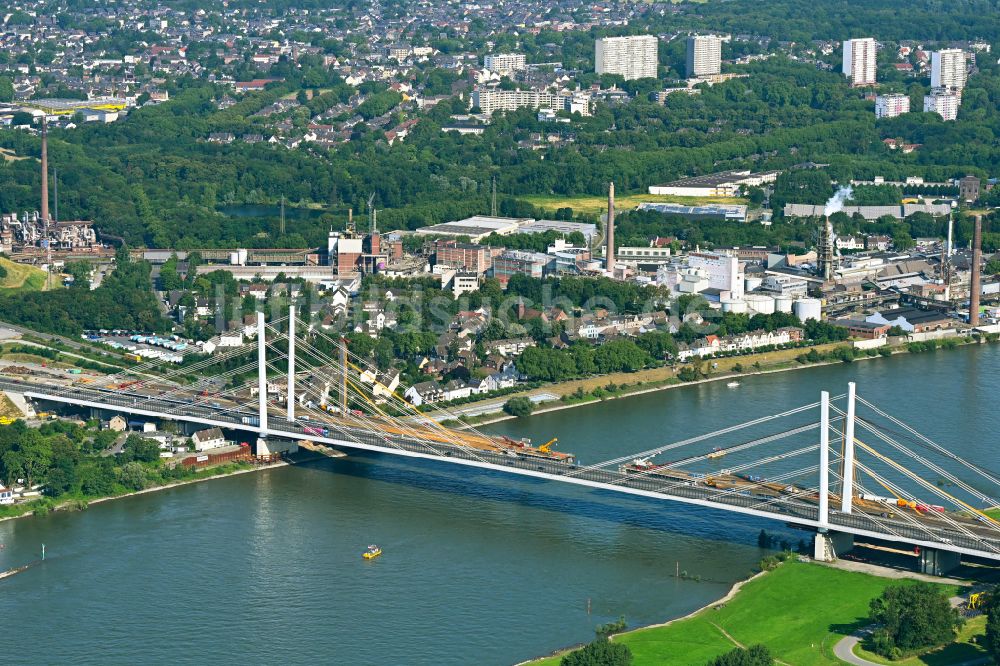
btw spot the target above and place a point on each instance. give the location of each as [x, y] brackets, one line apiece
[826, 249]
[974, 288]
[45, 173]
[609, 254]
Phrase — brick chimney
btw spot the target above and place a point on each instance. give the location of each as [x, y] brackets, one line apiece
[609, 253]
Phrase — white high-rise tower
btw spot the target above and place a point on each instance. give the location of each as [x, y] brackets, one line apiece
[948, 69]
[633, 57]
[859, 61]
[704, 55]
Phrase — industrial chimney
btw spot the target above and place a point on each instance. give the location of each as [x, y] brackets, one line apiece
[974, 287]
[609, 254]
[45, 173]
[826, 247]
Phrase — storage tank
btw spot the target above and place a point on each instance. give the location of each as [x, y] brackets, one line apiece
[735, 305]
[752, 283]
[808, 308]
[783, 303]
[761, 303]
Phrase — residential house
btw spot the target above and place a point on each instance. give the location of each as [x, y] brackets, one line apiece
[424, 393]
[509, 347]
[210, 438]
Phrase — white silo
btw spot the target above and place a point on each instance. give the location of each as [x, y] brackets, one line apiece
[808, 308]
[783, 303]
[761, 303]
[752, 283]
[735, 305]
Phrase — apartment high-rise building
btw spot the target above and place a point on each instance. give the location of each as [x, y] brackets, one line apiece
[505, 63]
[633, 57]
[943, 102]
[859, 61]
[704, 55]
[948, 69]
[891, 105]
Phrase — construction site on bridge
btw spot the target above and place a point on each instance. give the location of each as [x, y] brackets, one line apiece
[839, 467]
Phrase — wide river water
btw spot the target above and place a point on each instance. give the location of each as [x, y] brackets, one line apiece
[478, 568]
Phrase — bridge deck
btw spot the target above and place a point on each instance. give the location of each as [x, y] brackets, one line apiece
[931, 532]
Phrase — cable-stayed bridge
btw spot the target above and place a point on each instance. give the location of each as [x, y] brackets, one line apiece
[839, 466]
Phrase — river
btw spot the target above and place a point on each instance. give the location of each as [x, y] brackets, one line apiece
[478, 568]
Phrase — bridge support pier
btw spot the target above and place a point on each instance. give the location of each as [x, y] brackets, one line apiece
[938, 562]
[829, 545]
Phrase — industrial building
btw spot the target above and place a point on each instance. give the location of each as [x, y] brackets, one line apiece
[479, 227]
[464, 256]
[476, 227]
[735, 212]
[633, 57]
[519, 262]
[564, 227]
[868, 212]
[722, 184]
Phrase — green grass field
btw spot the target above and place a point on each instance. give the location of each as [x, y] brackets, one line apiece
[21, 277]
[993, 513]
[799, 611]
[598, 205]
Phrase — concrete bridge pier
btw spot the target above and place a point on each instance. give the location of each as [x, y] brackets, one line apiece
[938, 562]
[829, 545]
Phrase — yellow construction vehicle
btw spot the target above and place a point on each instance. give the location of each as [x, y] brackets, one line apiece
[547, 446]
[977, 600]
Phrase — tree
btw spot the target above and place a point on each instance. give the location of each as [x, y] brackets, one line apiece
[133, 475]
[21, 118]
[755, 655]
[519, 406]
[6, 89]
[600, 652]
[141, 449]
[911, 617]
[992, 639]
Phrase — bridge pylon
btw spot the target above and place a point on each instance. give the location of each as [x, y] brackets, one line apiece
[291, 363]
[262, 383]
[824, 460]
[847, 488]
[827, 545]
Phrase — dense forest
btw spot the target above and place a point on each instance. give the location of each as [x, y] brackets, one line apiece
[124, 300]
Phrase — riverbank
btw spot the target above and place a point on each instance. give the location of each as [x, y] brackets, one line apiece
[800, 611]
[79, 504]
[665, 377]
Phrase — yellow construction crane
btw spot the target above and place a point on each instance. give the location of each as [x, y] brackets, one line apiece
[544, 448]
